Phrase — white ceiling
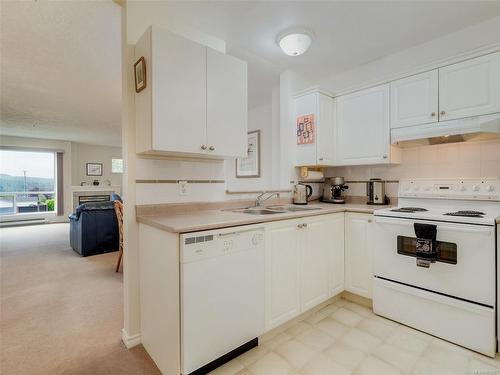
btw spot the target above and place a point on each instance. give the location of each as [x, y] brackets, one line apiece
[348, 33]
[61, 70]
[61, 60]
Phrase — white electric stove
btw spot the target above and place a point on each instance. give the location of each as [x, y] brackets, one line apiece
[435, 259]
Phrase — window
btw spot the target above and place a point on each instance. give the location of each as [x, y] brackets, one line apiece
[116, 165]
[27, 182]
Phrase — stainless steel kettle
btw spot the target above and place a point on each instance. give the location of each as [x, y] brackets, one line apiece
[301, 193]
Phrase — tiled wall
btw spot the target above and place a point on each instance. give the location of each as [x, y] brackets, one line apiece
[161, 169]
[467, 159]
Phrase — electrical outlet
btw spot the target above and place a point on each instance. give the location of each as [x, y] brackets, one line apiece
[183, 188]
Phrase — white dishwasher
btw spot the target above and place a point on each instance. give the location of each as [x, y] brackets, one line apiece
[222, 296]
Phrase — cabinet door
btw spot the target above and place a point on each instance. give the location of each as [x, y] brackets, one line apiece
[227, 113]
[315, 261]
[470, 88]
[358, 255]
[363, 132]
[320, 151]
[414, 100]
[282, 272]
[305, 154]
[337, 259]
[179, 93]
[325, 132]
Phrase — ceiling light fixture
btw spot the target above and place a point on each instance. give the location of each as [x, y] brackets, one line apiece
[296, 41]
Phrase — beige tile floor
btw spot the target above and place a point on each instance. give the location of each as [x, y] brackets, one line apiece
[346, 338]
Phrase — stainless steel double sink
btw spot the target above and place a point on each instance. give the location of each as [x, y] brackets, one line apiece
[272, 210]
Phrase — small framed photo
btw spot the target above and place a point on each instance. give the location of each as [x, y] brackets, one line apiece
[250, 166]
[94, 169]
[140, 74]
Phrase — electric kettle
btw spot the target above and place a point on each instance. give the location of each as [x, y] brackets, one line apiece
[301, 193]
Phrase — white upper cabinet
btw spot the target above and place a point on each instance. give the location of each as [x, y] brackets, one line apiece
[195, 100]
[227, 113]
[319, 149]
[179, 98]
[470, 88]
[363, 127]
[414, 100]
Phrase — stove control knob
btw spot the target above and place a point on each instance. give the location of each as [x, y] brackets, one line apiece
[475, 187]
[490, 188]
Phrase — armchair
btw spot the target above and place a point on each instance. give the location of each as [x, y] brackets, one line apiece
[94, 229]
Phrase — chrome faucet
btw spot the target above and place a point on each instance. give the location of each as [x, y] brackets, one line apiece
[259, 200]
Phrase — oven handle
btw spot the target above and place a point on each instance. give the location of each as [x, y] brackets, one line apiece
[442, 226]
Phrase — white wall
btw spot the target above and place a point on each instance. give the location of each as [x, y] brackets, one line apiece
[84, 153]
[52, 145]
[259, 118]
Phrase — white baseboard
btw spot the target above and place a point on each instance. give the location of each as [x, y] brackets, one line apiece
[130, 341]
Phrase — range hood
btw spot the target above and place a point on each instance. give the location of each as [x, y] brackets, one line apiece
[461, 130]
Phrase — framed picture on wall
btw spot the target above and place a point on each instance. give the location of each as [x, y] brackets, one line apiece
[140, 74]
[94, 169]
[250, 166]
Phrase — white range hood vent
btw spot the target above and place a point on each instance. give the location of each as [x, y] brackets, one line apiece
[468, 129]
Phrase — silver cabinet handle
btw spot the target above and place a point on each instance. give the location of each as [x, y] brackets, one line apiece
[442, 113]
[320, 158]
[384, 156]
[203, 147]
[211, 148]
[433, 114]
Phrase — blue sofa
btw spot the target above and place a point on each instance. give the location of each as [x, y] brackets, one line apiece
[94, 228]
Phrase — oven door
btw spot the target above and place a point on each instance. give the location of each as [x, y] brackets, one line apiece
[465, 267]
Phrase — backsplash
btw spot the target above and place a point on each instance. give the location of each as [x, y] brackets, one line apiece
[467, 159]
[154, 180]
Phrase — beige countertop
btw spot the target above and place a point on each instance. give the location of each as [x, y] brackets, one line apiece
[191, 221]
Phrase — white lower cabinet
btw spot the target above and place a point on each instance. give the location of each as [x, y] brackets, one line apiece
[282, 272]
[304, 265]
[358, 254]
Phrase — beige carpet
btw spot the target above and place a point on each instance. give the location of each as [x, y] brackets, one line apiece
[61, 313]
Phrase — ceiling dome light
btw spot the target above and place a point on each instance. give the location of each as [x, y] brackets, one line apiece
[295, 42]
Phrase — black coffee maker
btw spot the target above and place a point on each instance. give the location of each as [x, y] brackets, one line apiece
[332, 190]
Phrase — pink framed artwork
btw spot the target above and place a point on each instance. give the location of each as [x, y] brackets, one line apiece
[305, 129]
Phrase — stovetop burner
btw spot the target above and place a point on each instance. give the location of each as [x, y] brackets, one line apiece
[466, 213]
[409, 209]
